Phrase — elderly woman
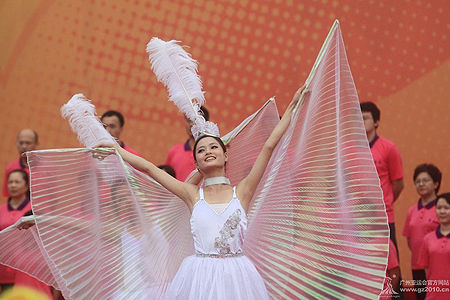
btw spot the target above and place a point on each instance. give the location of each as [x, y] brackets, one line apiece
[421, 218]
[17, 206]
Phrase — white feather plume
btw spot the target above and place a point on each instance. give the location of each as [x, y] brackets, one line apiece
[176, 69]
[80, 113]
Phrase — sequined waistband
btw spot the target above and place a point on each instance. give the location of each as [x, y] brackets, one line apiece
[219, 255]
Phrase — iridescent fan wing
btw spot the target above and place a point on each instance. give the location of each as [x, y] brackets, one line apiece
[318, 227]
[105, 230]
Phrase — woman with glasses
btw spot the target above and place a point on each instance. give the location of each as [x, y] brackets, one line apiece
[422, 218]
[17, 205]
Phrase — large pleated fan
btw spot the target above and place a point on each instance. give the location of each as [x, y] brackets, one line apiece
[317, 224]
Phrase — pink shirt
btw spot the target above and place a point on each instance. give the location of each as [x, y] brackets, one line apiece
[181, 159]
[435, 256]
[391, 264]
[420, 221]
[389, 167]
[14, 165]
[129, 149]
[9, 216]
[392, 257]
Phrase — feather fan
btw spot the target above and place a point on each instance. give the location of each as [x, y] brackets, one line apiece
[80, 113]
[177, 70]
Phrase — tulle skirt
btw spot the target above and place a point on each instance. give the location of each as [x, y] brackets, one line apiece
[201, 278]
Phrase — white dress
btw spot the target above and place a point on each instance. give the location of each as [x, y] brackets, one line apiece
[219, 270]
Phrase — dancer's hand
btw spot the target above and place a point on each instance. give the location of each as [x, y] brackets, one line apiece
[295, 100]
[102, 150]
[25, 224]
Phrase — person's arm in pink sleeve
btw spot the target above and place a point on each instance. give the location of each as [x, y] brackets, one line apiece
[407, 229]
[397, 187]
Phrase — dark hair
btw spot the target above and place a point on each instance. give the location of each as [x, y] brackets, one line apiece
[372, 108]
[24, 175]
[431, 170]
[445, 196]
[168, 169]
[111, 113]
[205, 113]
[218, 139]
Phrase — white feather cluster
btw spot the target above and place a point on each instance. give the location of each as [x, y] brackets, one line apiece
[177, 70]
[81, 115]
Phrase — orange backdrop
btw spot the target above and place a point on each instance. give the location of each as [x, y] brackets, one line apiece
[248, 51]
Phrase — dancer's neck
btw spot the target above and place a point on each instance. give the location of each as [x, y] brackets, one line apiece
[218, 180]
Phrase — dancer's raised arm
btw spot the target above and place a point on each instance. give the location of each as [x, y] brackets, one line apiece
[246, 188]
[185, 191]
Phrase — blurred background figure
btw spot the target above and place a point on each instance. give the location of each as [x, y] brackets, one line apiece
[180, 156]
[434, 255]
[421, 219]
[114, 123]
[17, 206]
[27, 140]
[168, 169]
[387, 160]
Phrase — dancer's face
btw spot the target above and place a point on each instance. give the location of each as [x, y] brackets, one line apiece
[443, 211]
[209, 154]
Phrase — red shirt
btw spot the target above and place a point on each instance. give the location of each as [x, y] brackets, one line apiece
[391, 264]
[9, 216]
[435, 256]
[389, 167]
[181, 159]
[129, 149]
[392, 257]
[14, 165]
[420, 221]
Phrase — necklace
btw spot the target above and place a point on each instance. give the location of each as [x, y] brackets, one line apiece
[216, 180]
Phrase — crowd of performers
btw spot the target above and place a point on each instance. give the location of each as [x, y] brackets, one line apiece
[427, 226]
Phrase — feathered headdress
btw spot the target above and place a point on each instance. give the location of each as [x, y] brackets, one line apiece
[81, 114]
[177, 70]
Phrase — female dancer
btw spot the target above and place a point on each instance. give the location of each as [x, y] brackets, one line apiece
[219, 270]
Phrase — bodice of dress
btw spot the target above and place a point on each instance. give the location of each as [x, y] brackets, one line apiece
[218, 234]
